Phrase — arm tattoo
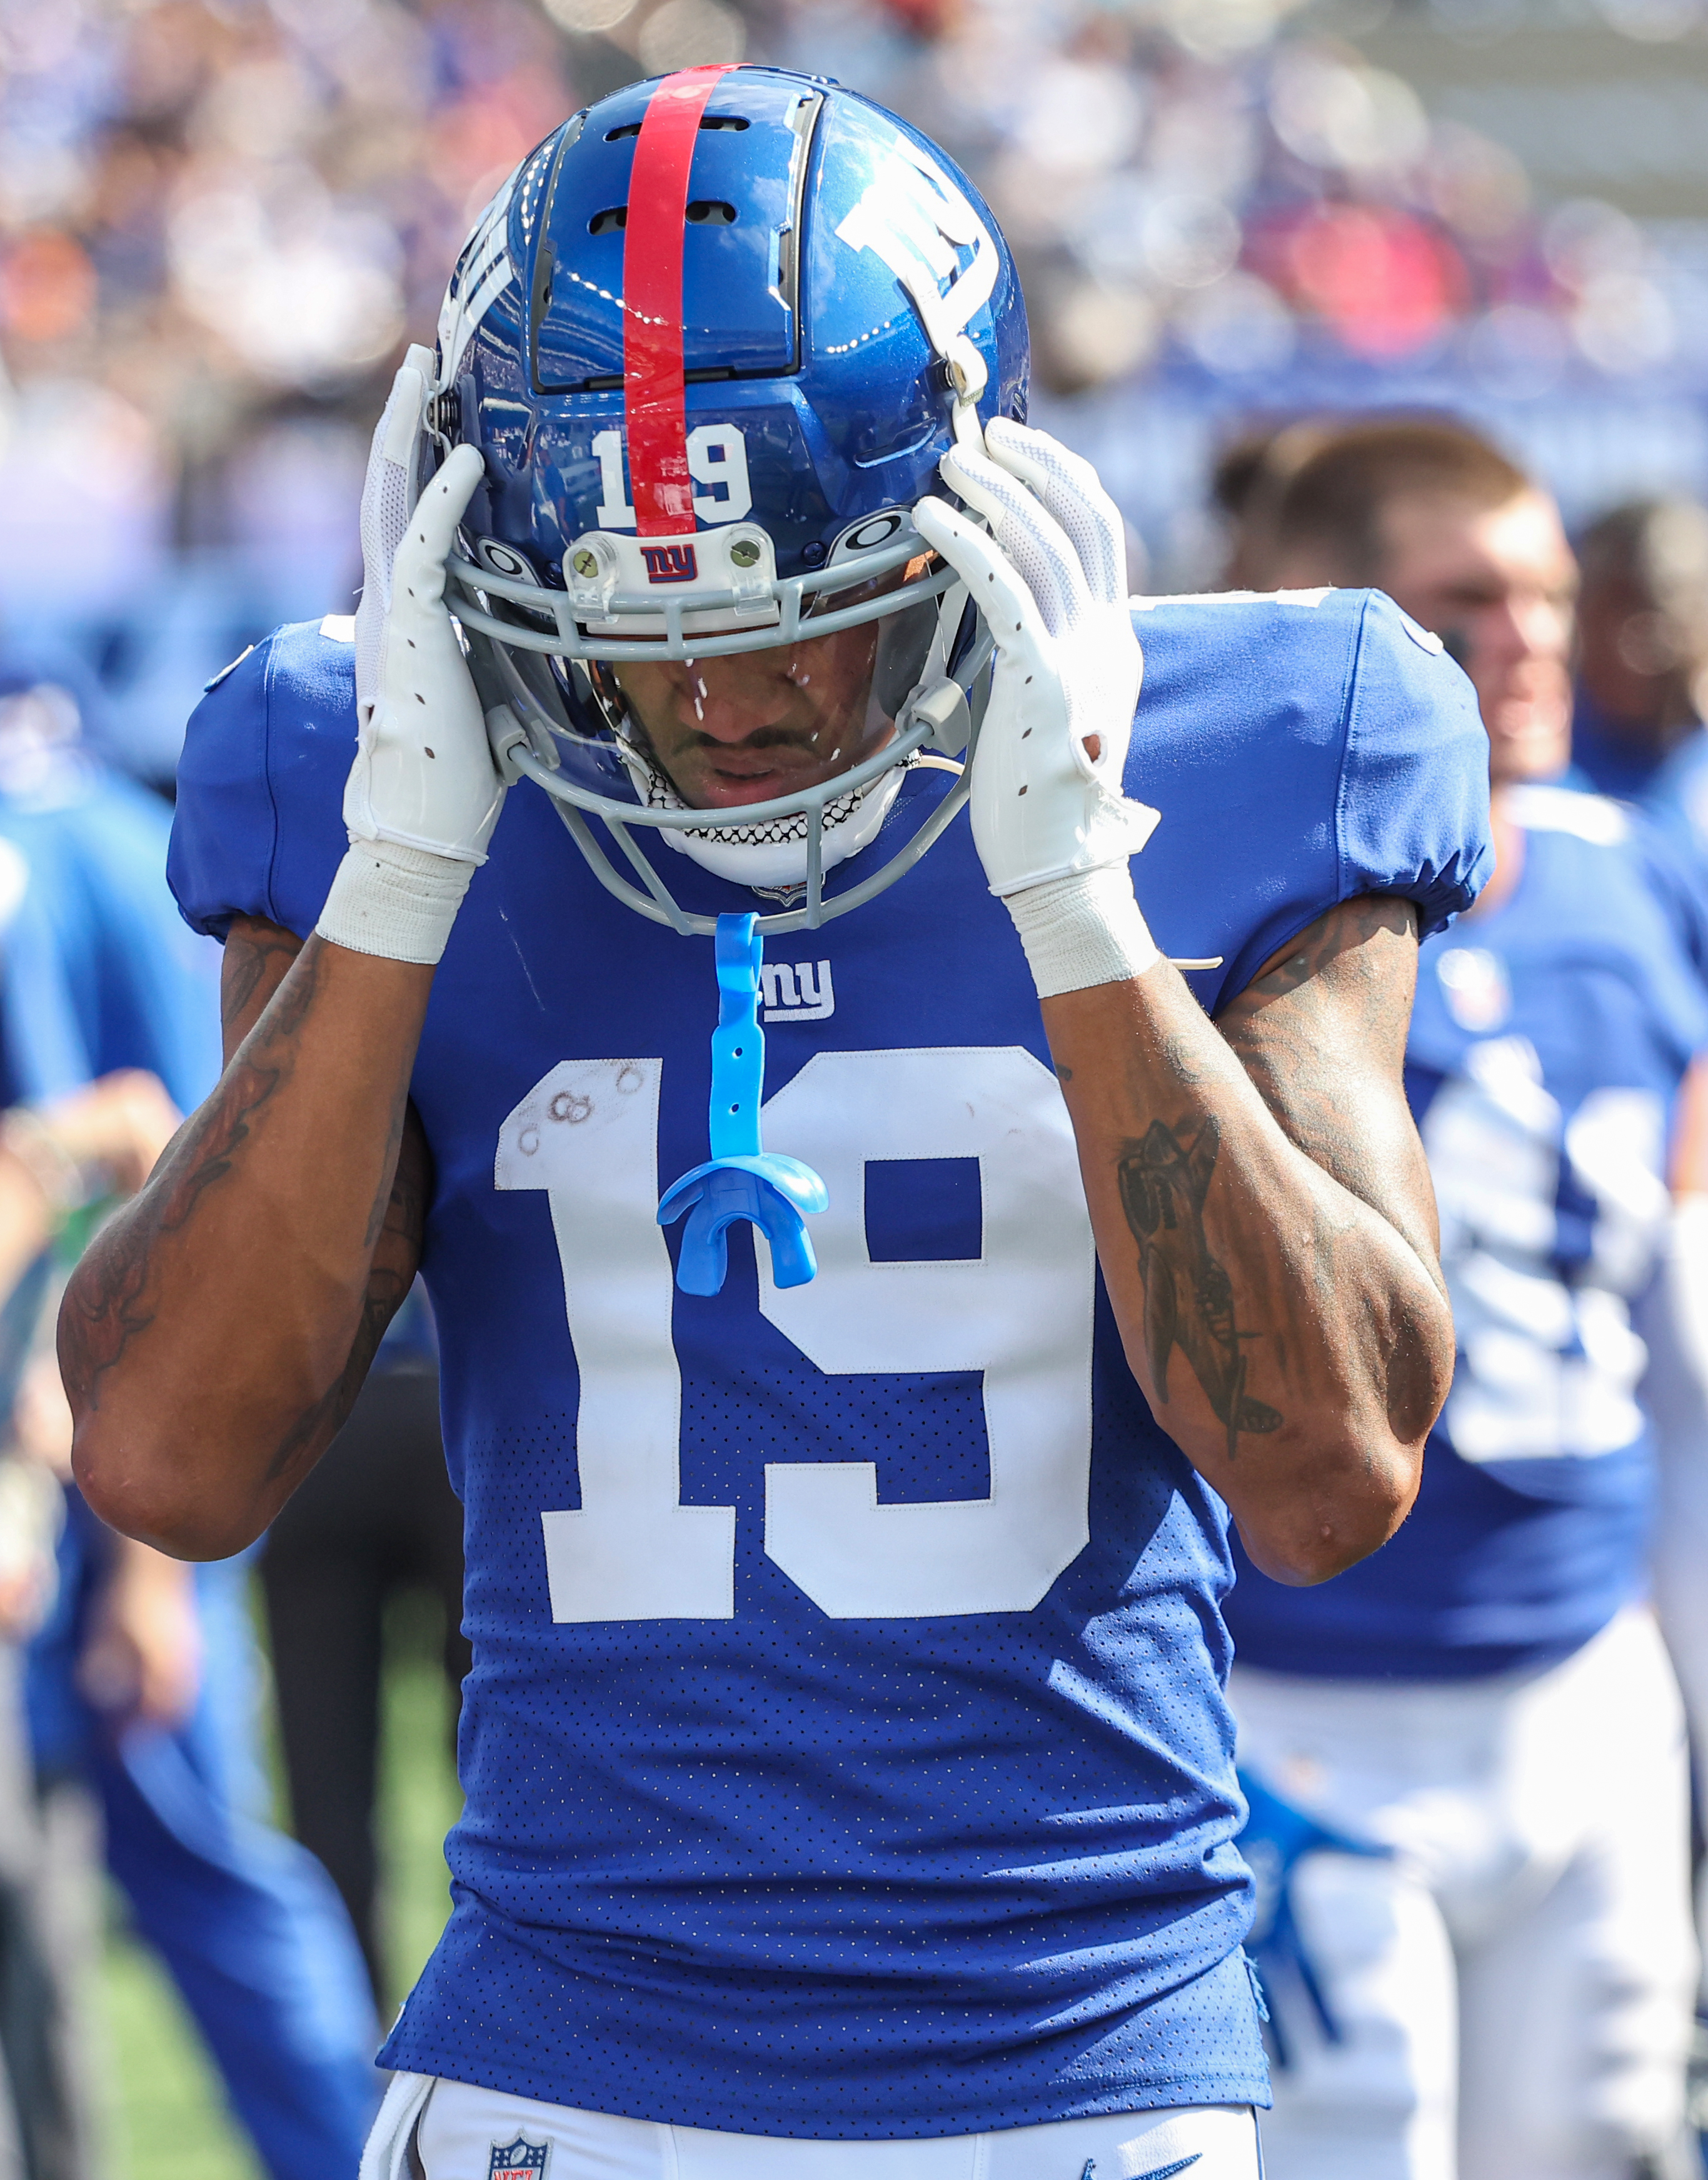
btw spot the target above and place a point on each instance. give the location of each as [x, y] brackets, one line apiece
[257, 954]
[1342, 995]
[395, 1258]
[1188, 1297]
[107, 1306]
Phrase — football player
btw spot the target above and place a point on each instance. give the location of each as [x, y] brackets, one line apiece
[1637, 727]
[140, 1685]
[849, 1777]
[1488, 1696]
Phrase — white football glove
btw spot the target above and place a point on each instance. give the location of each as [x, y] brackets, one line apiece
[424, 793]
[1053, 828]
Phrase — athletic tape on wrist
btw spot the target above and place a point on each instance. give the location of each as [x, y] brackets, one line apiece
[396, 902]
[1083, 930]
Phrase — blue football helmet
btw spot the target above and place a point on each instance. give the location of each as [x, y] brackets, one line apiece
[711, 339]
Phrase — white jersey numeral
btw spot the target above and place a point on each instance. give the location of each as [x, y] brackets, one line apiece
[587, 1133]
[1020, 1312]
[1549, 1364]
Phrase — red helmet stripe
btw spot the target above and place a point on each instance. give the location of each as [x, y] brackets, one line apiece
[653, 395]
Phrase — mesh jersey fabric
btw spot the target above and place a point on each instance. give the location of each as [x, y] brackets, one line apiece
[1548, 1042]
[749, 1847]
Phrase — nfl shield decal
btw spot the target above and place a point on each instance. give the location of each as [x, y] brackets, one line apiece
[521, 2160]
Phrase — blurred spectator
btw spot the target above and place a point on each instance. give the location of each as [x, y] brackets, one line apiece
[1487, 1697]
[215, 222]
[1208, 182]
[218, 219]
[141, 1682]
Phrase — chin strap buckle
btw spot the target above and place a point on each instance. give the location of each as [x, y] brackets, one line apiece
[741, 1180]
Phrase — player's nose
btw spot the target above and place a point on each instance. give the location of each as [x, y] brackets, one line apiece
[731, 698]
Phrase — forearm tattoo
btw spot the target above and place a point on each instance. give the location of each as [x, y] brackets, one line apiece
[1339, 1000]
[1188, 1297]
[397, 1251]
[1344, 988]
[112, 1301]
[109, 1303]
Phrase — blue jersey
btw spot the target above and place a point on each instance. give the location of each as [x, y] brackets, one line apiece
[1547, 1045]
[845, 1748]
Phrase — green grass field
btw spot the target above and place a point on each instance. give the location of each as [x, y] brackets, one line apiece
[168, 2118]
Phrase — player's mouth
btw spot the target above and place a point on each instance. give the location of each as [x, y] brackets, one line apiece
[728, 779]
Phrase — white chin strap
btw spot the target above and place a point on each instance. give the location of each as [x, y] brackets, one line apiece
[778, 857]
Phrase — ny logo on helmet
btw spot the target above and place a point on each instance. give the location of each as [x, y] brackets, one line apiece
[670, 564]
[914, 217]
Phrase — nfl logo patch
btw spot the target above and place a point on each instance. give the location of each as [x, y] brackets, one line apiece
[519, 2159]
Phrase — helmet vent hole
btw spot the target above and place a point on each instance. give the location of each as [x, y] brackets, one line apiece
[706, 121]
[711, 212]
[609, 221]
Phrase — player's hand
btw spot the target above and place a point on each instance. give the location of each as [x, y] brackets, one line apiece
[424, 793]
[1052, 824]
[1050, 579]
[424, 775]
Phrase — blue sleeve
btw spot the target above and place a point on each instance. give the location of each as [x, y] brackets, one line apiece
[1301, 749]
[258, 828]
[1414, 809]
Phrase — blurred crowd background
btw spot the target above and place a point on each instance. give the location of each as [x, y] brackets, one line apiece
[220, 220]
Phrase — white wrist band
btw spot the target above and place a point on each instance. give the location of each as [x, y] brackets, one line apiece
[396, 902]
[1082, 930]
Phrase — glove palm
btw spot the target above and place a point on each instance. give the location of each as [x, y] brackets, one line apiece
[1050, 576]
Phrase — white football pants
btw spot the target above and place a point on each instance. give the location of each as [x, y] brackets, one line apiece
[1513, 1988]
[455, 2130]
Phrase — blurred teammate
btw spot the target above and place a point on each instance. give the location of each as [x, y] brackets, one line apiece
[848, 1783]
[1247, 484]
[1638, 733]
[1637, 730]
[142, 1683]
[103, 1138]
[1488, 1696]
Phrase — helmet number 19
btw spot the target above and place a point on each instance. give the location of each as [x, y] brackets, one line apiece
[717, 460]
[1019, 1313]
